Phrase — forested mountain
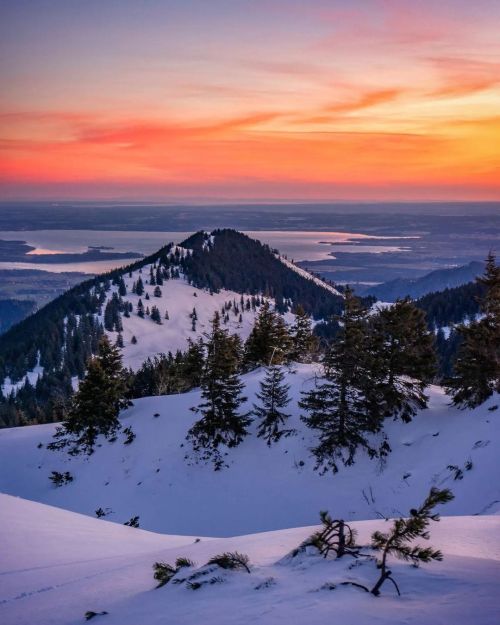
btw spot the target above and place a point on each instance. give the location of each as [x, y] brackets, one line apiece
[444, 308]
[147, 307]
[437, 280]
[231, 260]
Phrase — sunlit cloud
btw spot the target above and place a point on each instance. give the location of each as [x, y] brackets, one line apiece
[377, 99]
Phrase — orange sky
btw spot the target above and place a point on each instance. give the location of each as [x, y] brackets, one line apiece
[249, 100]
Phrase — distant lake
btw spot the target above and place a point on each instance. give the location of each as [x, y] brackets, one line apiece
[295, 245]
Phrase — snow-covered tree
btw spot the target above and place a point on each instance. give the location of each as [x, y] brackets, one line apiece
[273, 398]
[304, 343]
[95, 406]
[403, 359]
[339, 408]
[269, 341]
[477, 366]
[221, 424]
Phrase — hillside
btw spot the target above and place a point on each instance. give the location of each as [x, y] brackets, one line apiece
[59, 565]
[437, 280]
[208, 272]
[151, 477]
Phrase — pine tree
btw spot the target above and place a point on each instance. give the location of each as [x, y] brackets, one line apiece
[119, 341]
[398, 541]
[221, 424]
[477, 366]
[194, 361]
[122, 288]
[304, 343]
[269, 341]
[139, 287]
[273, 397]
[96, 405]
[155, 315]
[140, 309]
[194, 319]
[403, 359]
[157, 291]
[339, 408]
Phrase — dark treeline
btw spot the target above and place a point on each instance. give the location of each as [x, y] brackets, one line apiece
[446, 309]
[238, 263]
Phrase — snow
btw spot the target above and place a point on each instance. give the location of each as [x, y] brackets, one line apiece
[263, 488]
[32, 376]
[178, 298]
[308, 276]
[56, 565]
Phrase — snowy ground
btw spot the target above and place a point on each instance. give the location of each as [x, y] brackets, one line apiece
[179, 299]
[263, 488]
[57, 565]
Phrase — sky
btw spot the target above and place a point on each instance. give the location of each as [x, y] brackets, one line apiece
[250, 100]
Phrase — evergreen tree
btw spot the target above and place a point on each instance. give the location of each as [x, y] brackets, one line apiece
[221, 424]
[119, 341]
[96, 405]
[477, 366]
[399, 540]
[122, 289]
[304, 343]
[273, 397]
[155, 315]
[269, 341]
[159, 277]
[403, 359]
[157, 291]
[139, 287]
[339, 408]
[194, 362]
[140, 309]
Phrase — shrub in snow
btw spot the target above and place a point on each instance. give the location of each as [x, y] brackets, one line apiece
[132, 522]
[335, 536]
[58, 479]
[164, 572]
[398, 541]
[130, 435]
[90, 614]
[233, 561]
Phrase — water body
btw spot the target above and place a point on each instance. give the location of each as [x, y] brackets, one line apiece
[295, 245]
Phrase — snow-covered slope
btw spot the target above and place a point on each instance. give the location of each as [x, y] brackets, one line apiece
[178, 298]
[57, 565]
[263, 488]
[308, 276]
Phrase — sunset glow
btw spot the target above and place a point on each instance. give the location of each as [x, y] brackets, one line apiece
[250, 99]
